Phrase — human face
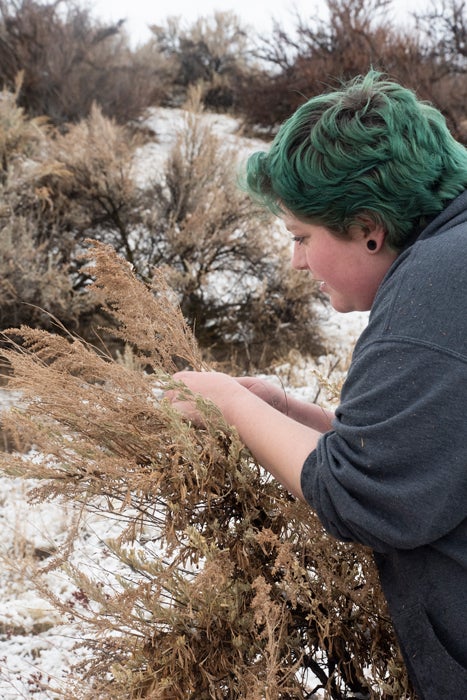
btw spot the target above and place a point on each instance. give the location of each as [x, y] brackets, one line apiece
[348, 271]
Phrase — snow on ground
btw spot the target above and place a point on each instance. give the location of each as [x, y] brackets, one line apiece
[37, 647]
[167, 124]
[34, 648]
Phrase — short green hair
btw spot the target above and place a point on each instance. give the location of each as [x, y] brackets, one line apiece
[370, 148]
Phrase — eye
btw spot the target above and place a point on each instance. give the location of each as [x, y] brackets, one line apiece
[298, 239]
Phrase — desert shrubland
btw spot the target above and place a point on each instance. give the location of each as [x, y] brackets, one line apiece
[221, 584]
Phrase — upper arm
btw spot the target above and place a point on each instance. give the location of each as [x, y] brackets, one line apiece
[393, 473]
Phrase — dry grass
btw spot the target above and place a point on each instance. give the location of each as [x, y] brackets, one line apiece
[226, 587]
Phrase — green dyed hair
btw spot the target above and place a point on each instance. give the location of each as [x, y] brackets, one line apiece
[371, 149]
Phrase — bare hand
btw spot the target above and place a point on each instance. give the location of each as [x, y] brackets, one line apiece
[217, 387]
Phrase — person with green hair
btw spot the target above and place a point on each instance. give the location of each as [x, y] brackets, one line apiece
[372, 186]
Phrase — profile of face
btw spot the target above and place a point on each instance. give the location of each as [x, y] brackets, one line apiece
[350, 269]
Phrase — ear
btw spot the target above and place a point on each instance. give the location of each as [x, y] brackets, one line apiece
[372, 232]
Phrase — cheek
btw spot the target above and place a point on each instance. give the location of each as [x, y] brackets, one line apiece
[324, 263]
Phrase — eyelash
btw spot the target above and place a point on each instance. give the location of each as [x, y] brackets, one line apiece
[298, 239]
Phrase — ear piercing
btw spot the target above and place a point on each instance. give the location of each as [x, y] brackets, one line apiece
[371, 244]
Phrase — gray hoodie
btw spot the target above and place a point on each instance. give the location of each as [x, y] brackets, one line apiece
[392, 474]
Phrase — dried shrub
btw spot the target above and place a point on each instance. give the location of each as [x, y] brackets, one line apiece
[20, 137]
[70, 61]
[212, 52]
[358, 35]
[317, 55]
[87, 175]
[35, 287]
[226, 586]
[442, 31]
[225, 259]
[32, 274]
[55, 190]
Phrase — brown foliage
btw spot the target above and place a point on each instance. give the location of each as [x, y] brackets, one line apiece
[227, 587]
[359, 35]
[33, 273]
[55, 189]
[317, 56]
[212, 53]
[224, 257]
[70, 61]
[193, 220]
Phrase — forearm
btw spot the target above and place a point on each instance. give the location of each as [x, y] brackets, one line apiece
[279, 443]
[310, 414]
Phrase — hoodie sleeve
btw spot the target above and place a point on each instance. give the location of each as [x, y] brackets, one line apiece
[393, 471]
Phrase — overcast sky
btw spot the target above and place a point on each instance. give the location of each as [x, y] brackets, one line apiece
[257, 13]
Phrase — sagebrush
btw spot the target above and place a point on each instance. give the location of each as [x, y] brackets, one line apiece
[228, 587]
[226, 260]
[70, 61]
[317, 54]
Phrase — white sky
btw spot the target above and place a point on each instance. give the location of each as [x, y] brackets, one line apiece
[257, 13]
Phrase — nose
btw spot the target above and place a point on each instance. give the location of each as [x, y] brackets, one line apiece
[299, 261]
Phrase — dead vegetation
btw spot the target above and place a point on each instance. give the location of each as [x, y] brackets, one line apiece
[226, 586]
[71, 61]
[192, 220]
[320, 53]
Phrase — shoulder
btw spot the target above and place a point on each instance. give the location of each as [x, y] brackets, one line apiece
[424, 296]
